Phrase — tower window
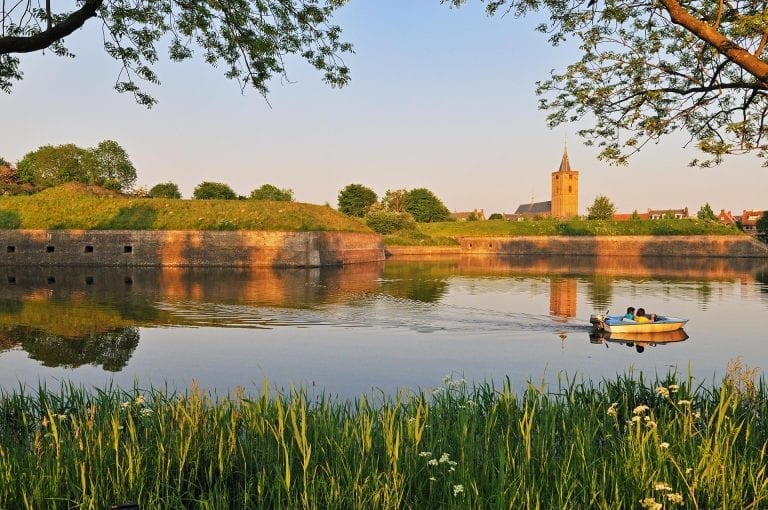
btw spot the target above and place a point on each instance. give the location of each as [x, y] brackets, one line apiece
[569, 189]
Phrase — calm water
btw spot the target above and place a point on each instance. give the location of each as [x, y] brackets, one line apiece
[363, 328]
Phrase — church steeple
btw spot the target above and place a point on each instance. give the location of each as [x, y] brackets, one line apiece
[565, 165]
[565, 189]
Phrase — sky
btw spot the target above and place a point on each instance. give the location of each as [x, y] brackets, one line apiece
[440, 98]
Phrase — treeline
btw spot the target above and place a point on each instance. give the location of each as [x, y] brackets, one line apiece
[108, 166]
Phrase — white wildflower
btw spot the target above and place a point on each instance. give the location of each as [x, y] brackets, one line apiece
[683, 402]
[662, 486]
[458, 489]
[640, 409]
[425, 454]
[664, 445]
[432, 462]
[612, 411]
[444, 458]
[662, 391]
[673, 388]
[650, 503]
[139, 400]
[675, 497]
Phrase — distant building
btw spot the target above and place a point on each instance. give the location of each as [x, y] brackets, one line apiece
[658, 214]
[565, 196]
[653, 214]
[748, 221]
[479, 214]
[726, 218]
[565, 190]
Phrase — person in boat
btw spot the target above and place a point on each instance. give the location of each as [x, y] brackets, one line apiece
[640, 316]
[630, 313]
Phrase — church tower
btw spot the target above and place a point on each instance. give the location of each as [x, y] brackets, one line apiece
[565, 190]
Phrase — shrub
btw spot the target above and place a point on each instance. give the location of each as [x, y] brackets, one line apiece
[387, 222]
[165, 190]
[214, 191]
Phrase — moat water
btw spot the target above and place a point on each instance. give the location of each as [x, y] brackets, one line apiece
[402, 324]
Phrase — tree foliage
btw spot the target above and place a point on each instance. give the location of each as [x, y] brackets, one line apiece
[601, 209]
[165, 190]
[652, 67]
[249, 39]
[496, 216]
[394, 200]
[425, 207]
[106, 165]
[207, 190]
[3, 162]
[356, 200]
[762, 223]
[706, 213]
[271, 192]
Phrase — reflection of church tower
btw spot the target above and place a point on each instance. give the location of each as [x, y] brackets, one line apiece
[562, 297]
[565, 190]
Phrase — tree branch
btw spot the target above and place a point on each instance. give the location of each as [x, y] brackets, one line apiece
[42, 40]
[711, 36]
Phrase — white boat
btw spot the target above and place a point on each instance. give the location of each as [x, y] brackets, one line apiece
[618, 324]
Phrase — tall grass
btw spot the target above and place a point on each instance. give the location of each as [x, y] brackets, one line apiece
[624, 443]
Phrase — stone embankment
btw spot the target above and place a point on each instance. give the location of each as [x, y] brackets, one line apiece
[604, 246]
[187, 248]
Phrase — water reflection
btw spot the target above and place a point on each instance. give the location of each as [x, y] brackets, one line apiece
[72, 317]
[639, 340]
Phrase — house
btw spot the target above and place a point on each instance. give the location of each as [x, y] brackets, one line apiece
[658, 214]
[726, 218]
[748, 221]
[469, 215]
[630, 216]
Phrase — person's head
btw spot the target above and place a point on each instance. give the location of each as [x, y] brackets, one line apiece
[640, 312]
[639, 348]
[631, 310]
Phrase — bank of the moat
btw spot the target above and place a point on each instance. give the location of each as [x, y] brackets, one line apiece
[316, 249]
[187, 248]
[604, 246]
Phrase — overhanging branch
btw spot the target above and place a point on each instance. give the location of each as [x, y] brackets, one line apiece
[42, 40]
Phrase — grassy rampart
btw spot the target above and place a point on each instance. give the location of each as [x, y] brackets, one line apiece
[75, 207]
[446, 233]
[624, 443]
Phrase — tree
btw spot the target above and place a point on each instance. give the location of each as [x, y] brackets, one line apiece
[207, 190]
[270, 192]
[495, 216]
[165, 190]
[706, 213]
[3, 162]
[601, 209]
[50, 166]
[250, 38]
[425, 207]
[356, 199]
[762, 223]
[649, 68]
[107, 165]
[394, 200]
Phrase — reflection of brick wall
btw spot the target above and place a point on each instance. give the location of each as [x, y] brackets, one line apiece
[187, 248]
[612, 246]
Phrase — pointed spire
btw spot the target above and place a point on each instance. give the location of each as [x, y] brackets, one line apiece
[565, 166]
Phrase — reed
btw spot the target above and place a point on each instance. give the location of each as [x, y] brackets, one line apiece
[623, 443]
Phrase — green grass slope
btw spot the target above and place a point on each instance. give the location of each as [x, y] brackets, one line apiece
[442, 233]
[79, 207]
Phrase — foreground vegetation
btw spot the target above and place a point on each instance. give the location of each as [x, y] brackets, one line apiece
[624, 443]
[447, 232]
[73, 206]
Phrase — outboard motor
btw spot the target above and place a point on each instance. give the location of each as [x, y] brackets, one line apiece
[597, 321]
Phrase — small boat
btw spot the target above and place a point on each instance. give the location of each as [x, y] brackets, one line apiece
[618, 324]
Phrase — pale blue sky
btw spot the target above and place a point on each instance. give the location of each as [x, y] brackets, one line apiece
[440, 98]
